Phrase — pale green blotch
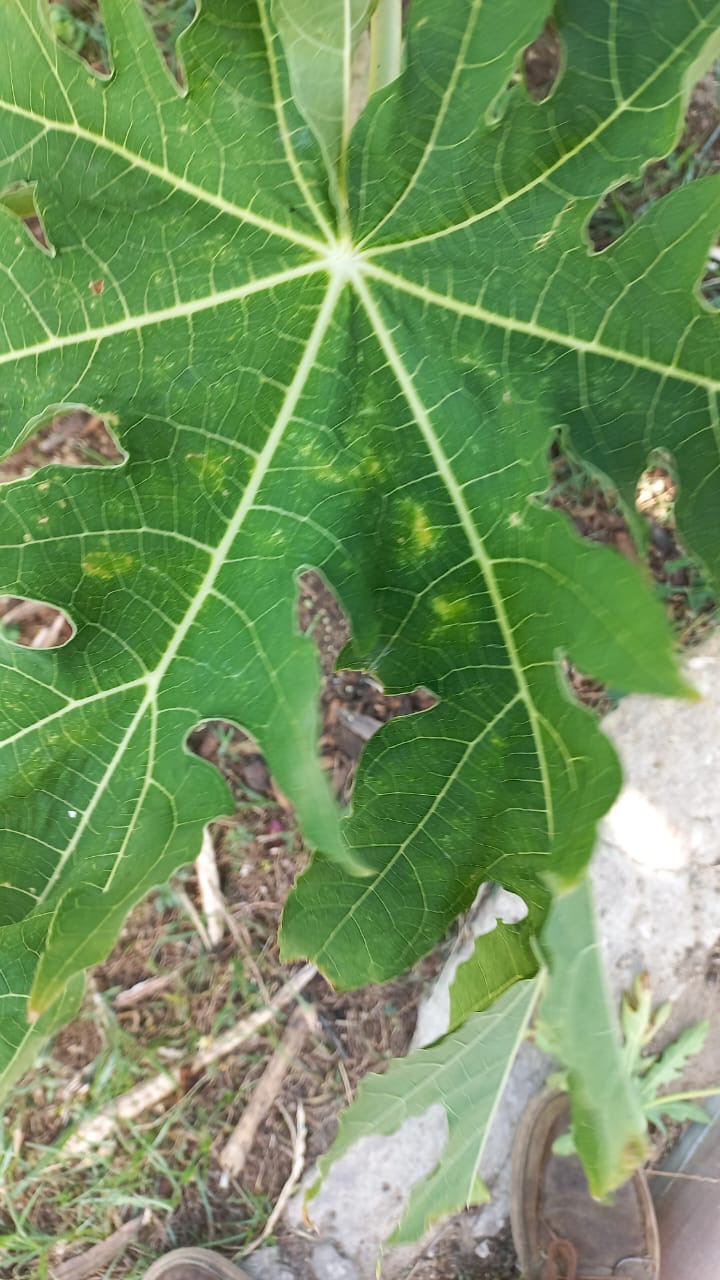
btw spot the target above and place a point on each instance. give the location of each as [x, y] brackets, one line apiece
[420, 536]
[449, 609]
[107, 565]
[453, 612]
[370, 468]
[211, 468]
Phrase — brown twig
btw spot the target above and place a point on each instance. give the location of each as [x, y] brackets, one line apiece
[685, 1177]
[238, 1146]
[94, 1260]
[17, 612]
[50, 634]
[144, 990]
[143, 1096]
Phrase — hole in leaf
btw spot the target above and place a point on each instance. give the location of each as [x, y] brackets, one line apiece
[687, 595]
[593, 507]
[33, 624]
[578, 491]
[169, 19]
[697, 154]
[76, 439]
[353, 704]
[542, 62]
[590, 693]
[19, 199]
[78, 25]
[539, 71]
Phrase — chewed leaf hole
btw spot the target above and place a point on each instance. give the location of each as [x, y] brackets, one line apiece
[353, 707]
[78, 26]
[656, 493]
[20, 200]
[686, 592]
[542, 62]
[353, 704]
[77, 439]
[592, 506]
[696, 155]
[539, 71]
[33, 624]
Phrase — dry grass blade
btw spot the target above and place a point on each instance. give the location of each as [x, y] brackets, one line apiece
[298, 1164]
[211, 897]
[238, 1147]
[146, 989]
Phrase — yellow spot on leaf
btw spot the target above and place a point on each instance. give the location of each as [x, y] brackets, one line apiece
[423, 535]
[449, 610]
[210, 468]
[107, 565]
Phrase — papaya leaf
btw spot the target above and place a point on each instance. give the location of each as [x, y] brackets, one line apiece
[465, 1073]
[320, 39]
[368, 389]
[577, 1024]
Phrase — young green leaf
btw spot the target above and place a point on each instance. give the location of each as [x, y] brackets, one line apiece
[500, 958]
[320, 38]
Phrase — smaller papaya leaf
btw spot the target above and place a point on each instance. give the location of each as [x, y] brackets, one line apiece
[682, 1112]
[639, 1023]
[668, 1065]
[500, 958]
[577, 1025]
[319, 40]
[465, 1073]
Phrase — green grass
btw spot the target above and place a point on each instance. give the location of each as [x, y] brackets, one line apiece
[164, 1162]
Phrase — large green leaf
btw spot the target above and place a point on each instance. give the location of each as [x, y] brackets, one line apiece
[465, 1074]
[368, 390]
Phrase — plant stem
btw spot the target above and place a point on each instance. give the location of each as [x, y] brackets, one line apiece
[385, 44]
[690, 1096]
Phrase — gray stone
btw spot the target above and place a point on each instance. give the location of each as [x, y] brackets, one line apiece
[266, 1264]
[655, 873]
[363, 1197]
[328, 1264]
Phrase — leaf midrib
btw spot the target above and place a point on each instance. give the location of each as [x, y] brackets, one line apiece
[176, 181]
[474, 538]
[163, 315]
[531, 328]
